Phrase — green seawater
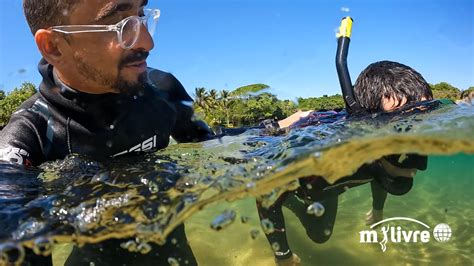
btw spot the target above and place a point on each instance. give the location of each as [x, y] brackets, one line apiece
[81, 201]
[441, 194]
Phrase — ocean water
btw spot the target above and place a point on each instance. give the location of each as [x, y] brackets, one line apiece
[78, 200]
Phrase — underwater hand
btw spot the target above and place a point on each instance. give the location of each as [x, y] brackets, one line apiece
[397, 171]
[294, 260]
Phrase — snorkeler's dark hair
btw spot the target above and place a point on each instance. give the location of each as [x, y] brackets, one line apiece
[387, 79]
[43, 14]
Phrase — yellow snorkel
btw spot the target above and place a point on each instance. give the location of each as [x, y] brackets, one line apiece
[343, 41]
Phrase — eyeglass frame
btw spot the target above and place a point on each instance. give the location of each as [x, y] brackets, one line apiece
[118, 27]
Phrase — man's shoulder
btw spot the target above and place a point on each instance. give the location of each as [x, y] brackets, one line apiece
[34, 108]
[167, 83]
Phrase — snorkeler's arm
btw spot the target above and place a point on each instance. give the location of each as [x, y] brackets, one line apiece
[274, 214]
[290, 120]
[20, 142]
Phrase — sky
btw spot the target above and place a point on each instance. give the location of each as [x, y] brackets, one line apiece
[289, 45]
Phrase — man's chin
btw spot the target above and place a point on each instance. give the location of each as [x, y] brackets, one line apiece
[132, 86]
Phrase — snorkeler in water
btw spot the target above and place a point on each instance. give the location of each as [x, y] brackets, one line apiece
[382, 87]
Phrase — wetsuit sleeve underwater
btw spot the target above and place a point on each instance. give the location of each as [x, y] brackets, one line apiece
[187, 127]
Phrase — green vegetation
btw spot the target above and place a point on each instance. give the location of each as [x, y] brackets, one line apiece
[243, 106]
[444, 90]
[9, 103]
[320, 103]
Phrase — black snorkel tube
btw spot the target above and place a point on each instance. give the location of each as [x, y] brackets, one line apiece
[343, 41]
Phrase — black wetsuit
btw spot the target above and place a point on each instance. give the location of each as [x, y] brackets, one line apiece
[59, 120]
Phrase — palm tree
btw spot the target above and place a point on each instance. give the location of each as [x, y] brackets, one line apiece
[225, 102]
[200, 94]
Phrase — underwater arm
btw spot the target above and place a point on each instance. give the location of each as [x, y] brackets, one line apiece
[274, 214]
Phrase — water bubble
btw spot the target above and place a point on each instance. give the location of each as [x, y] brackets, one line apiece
[43, 246]
[327, 232]
[186, 262]
[144, 248]
[267, 226]
[223, 220]
[309, 186]
[112, 127]
[317, 154]
[174, 241]
[254, 233]
[173, 262]
[11, 254]
[316, 209]
[275, 246]
[244, 219]
[91, 263]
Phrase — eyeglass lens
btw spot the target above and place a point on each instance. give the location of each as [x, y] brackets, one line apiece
[131, 30]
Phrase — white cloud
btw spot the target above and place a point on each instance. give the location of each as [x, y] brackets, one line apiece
[345, 9]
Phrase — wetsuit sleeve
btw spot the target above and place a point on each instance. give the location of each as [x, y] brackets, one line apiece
[19, 140]
[187, 127]
[276, 237]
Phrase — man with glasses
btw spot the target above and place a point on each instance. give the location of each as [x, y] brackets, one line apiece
[98, 98]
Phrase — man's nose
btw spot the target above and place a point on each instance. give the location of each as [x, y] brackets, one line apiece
[145, 41]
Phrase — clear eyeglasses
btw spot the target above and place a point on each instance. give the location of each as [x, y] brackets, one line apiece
[128, 29]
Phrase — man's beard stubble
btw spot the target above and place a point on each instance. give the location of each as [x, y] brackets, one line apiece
[118, 84]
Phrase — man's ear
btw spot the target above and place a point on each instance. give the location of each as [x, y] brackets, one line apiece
[48, 45]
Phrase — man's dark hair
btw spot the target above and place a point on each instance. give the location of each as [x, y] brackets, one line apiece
[42, 14]
[386, 79]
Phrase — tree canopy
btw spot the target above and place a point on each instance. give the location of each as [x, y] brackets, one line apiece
[9, 103]
[444, 90]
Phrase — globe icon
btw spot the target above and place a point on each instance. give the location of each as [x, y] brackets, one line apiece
[442, 232]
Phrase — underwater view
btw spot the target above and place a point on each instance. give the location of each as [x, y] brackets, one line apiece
[213, 189]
